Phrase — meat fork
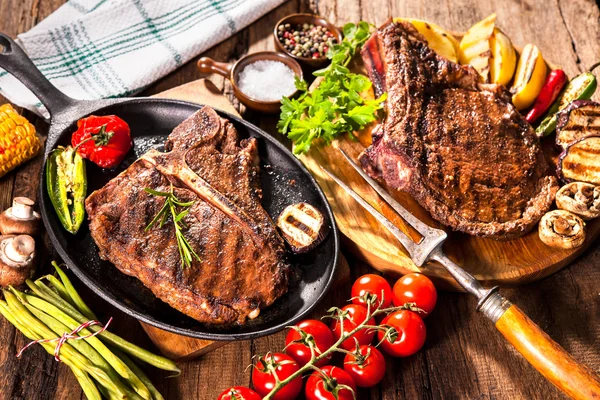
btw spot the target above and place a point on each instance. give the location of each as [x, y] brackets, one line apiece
[547, 356]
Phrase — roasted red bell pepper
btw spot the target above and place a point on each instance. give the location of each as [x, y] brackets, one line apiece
[104, 140]
[555, 81]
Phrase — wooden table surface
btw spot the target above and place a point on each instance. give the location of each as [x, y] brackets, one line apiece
[464, 357]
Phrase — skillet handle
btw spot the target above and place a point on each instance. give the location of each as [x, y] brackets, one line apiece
[544, 354]
[17, 63]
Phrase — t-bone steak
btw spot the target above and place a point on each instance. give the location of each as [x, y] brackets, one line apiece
[459, 148]
[241, 267]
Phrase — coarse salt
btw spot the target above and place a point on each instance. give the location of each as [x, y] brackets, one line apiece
[266, 80]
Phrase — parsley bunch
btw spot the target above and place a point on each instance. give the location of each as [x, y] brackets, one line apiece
[336, 105]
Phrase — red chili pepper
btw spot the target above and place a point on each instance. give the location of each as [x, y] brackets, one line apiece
[103, 140]
[556, 80]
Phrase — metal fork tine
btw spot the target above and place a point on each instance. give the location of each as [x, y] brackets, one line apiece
[406, 241]
[413, 221]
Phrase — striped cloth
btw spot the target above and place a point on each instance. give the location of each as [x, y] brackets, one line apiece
[94, 49]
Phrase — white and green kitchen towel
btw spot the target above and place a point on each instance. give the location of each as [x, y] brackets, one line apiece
[93, 49]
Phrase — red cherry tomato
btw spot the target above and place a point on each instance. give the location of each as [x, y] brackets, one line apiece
[239, 393]
[104, 140]
[264, 381]
[374, 284]
[367, 367]
[415, 288]
[319, 387]
[320, 334]
[410, 333]
[354, 316]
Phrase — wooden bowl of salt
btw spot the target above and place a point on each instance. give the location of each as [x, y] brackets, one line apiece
[259, 80]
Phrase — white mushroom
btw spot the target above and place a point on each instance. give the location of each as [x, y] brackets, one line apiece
[18, 259]
[20, 218]
[580, 198]
[563, 229]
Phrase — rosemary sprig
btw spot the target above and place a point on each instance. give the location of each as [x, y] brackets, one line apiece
[177, 210]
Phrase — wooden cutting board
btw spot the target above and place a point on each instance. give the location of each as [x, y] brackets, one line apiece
[504, 263]
[182, 347]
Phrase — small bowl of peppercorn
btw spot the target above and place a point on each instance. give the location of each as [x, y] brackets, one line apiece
[306, 38]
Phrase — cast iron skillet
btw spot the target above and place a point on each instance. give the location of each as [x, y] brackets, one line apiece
[284, 181]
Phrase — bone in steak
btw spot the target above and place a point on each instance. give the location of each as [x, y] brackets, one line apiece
[242, 266]
[460, 149]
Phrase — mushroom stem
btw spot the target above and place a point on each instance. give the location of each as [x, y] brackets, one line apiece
[22, 207]
[20, 248]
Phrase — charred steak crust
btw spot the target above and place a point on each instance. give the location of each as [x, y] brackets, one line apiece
[242, 267]
[460, 149]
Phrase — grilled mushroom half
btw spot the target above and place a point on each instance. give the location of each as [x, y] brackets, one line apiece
[580, 198]
[18, 259]
[563, 229]
[302, 226]
[20, 218]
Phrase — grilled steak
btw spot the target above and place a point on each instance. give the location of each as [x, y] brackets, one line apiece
[460, 149]
[242, 266]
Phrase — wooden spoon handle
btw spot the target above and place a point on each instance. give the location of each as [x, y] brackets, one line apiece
[547, 356]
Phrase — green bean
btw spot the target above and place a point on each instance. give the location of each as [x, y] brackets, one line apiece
[108, 337]
[119, 366]
[58, 287]
[77, 300]
[137, 370]
[82, 346]
[136, 351]
[87, 385]
[42, 331]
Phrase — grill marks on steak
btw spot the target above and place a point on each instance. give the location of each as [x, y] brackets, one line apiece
[460, 149]
[242, 264]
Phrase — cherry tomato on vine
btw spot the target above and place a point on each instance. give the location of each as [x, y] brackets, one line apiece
[415, 288]
[374, 284]
[319, 387]
[319, 333]
[239, 393]
[409, 335]
[366, 367]
[354, 315]
[264, 381]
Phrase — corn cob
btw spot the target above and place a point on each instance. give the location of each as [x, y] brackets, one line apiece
[18, 140]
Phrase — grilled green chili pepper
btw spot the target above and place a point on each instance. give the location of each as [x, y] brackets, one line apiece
[582, 87]
[67, 186]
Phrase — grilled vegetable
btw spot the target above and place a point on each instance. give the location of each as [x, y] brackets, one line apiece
[580, 198]
[582, 87]
[504, 58]
[440, 41]
[67, 186]
[302, 226]
[580, 161]
[474, 48]
[555, 81]
[18, 141]
[103, 140]
[529, 78]
[579, 119]
[559, 228]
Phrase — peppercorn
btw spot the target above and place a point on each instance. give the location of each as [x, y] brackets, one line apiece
[305, 40]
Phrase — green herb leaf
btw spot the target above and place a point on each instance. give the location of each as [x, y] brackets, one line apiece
[169, 209]
[335, 106]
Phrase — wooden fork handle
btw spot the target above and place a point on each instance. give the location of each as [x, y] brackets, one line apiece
[547, 356]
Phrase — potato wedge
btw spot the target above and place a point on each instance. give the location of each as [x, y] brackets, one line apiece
[529, 78]
[438, 39]
[474, 48]
[504, 58]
